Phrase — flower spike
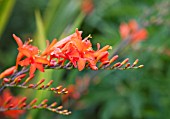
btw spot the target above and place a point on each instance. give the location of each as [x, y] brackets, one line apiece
[38, 86]
[22, 105]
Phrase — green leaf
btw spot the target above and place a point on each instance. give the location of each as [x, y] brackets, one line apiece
[6, 7]
[40, 35]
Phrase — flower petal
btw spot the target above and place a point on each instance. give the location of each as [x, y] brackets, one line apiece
[133, 25]
[49, 48]
[25, 52]
[39, 67]
[18, 40]
[139, 35]
[19, 57]
[81, 64]
[124, 30]
[105, 48]
[32, 69]
[41, 60]
[103, 56]
[24, 62]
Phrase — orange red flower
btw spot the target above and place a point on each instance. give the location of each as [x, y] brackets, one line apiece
[73, 48]
[8, 100]
[31, 56]
[79, 51]
[133, 31]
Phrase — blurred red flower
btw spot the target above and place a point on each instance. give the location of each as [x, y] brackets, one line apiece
[133, 31]
[13, 114]
[87, 6]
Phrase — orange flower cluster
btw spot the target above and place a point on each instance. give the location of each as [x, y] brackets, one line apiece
[8, 100]
[72, 48]
[133, 31]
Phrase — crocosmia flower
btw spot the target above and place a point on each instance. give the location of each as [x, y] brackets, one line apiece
[29, 55]
[73, 48]
[8, 100]
[79, 51]
[133, 31]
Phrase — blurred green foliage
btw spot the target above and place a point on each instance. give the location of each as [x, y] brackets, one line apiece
[142, 93]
